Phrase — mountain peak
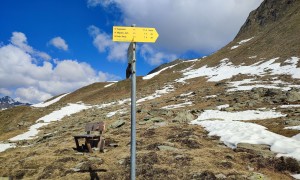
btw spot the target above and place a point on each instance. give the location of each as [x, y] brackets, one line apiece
[8, 102]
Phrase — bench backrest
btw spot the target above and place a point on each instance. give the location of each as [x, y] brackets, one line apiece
[95, 126]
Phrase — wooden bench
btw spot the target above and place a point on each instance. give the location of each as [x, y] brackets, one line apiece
[92, 139]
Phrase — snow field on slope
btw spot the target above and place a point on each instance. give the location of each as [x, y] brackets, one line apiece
[233, 132]
[226, 70]
[45, 104]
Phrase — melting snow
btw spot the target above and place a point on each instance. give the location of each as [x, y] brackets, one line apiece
[4, 146]
[248, 84]
[121, 111]
[109, 85]
[149, 76]
[178, 105]
[240, 43]
[234, 132]
[45, 104]
[227, 70]
[158, 93]
[223, 106]
[240, 115]
[290, 106]
[293, 127]
[296, 176]
[54, 116]
[231, 132]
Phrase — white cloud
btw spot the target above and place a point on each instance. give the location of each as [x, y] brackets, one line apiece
[5, 92]
[31, 94]
[19, 40]
[185, 25]
[34, 83]
[103, 42]
[59, 43]
[154, 57]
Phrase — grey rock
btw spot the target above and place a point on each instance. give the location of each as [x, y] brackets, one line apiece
[167, 148]
[160, 112]
[293, 95]
[255, 176]
[83, 166]
[117, 124]
[221, 176]
[184, 116]
[96, 160]
[261, 149]
[157, 119]
[292, 122]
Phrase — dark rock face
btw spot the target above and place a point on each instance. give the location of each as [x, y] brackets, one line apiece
[269, 11]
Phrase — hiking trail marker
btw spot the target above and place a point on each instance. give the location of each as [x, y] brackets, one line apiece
[133, 35]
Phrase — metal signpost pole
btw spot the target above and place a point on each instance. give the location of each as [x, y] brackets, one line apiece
[133, 113]
[133, 34]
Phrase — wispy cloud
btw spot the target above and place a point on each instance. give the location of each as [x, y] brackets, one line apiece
[155, 57]
[103, 42]
[59, 43]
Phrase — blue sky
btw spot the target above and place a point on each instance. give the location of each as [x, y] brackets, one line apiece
[48, 47]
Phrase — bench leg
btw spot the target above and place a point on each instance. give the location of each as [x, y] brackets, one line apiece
[101, 144]
[77, 143]
[88, 145]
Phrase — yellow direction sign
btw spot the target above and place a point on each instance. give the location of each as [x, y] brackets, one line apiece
[134, 34]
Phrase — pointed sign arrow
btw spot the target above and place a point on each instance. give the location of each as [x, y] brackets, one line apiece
[134, 34]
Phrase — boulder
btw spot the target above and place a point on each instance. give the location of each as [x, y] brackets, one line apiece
[160, 112]
[167, 148]
[184, 116]
[117, 124]
[293, 95]
[157, 119]
[260, 149]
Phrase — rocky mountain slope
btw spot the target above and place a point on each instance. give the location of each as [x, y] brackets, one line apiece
[232, 115]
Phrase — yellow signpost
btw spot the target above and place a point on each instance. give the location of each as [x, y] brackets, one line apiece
[134, 34]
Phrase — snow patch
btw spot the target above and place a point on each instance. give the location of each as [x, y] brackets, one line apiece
[296, 176]
[234, 132]
[158, 93]
[177, 105]
[150, 76]
[121, 111]
[45, 104]
[109, 85]
[227, 70]
[240, 43]
[239, 115]
[4, 146]
[293, 127]
[54, 116]
[290, 106]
